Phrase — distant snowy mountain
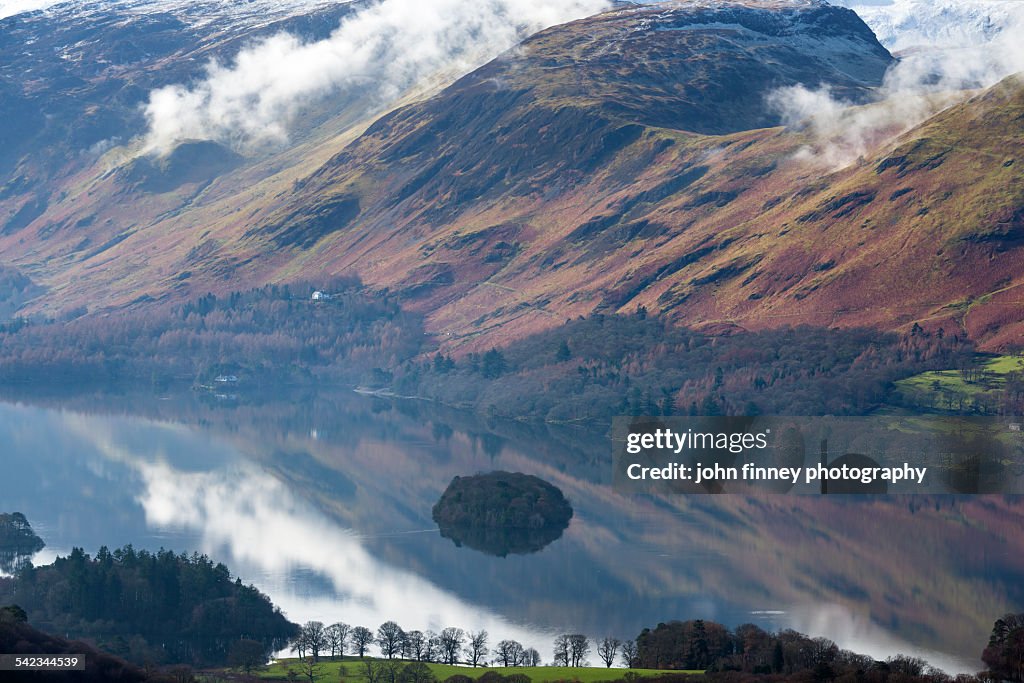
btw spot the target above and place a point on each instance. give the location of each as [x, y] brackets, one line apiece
[908, 24]
[190, 8]
[9, 8]
[912, 24]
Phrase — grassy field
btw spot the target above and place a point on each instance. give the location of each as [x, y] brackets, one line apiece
[949, 390]
[354, 673]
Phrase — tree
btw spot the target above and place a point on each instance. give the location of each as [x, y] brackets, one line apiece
[607, 649]
[451, 643]
[629, 653]
[300, 644]
[390, 671]
[371, 669]
[362, 638]
[907, 665]
[432, 650]
[405, 646]
[416, 672]
[316, 638]
[825, 650]
[668, 402]
[1004, 655]
[510, 653]
[309, 668]
[476, 649]
[579, 648]
[337, 634]
[494, 364]
[246, 655]
[416, 643]
[443, 364]
[683, 645]
[561, 650]
[530, 657]
[389, 638]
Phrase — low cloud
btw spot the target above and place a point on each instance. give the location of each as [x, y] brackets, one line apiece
[842, 132]
[383, 50]
[928, 78]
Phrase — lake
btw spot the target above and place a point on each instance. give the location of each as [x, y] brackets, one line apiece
[323, 501]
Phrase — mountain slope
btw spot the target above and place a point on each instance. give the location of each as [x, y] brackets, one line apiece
[504, 174]
[629, 159]
[521, 196]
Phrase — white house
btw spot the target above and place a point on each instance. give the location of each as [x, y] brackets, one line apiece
[320, 296]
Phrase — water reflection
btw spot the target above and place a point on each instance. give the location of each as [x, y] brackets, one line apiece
[324, 502]
[245, 516]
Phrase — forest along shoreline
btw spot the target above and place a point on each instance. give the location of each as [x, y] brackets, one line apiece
[585, 370]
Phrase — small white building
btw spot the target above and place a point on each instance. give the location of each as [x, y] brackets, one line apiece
[320, 296]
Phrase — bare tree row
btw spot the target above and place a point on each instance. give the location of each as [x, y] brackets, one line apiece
[451, 646]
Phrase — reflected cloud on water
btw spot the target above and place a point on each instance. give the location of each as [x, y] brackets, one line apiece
[253, 522]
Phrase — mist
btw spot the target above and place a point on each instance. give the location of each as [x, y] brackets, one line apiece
[383, 50]
[945, 55]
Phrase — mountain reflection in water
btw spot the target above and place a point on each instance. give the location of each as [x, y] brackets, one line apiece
[324, 502]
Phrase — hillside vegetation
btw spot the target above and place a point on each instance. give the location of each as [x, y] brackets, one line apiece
[619, 161]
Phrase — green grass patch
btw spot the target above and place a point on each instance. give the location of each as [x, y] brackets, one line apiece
[952, 390]
[1003, 365]
[354, 671]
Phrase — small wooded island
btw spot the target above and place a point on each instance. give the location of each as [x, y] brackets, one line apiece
[502, 512]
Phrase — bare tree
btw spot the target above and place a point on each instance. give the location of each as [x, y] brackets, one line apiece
[562, 650]
[390, 671]
[530, 657]
[476, 649]
[362, 638]
[432, 650]
[309, 668]
[316, 638]
[416, 643]
[510, 652]
[451, 642]
[907, 665]
[337, 636]
[607, 649]
[371, 669]
[823, 650]
[300, 643]
[389, 638]
[579, 648]
[629, 654]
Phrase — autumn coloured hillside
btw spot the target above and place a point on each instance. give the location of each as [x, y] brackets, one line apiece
[640, 157]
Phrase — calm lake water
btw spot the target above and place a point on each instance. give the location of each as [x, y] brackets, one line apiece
[324, 502]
